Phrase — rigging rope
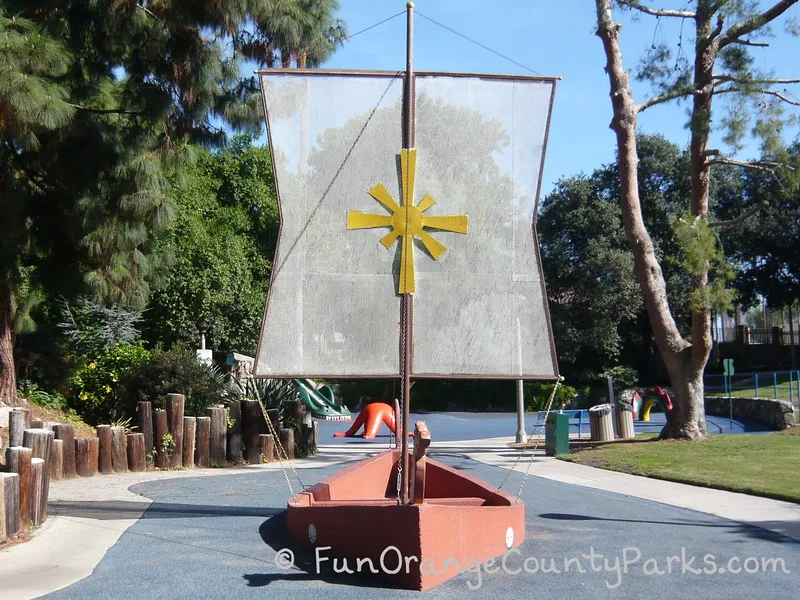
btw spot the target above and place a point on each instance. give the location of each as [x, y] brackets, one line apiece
[347, 38]
[281, 449]
[528, 441]
[485, 47]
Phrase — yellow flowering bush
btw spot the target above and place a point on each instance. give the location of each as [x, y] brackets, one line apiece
[96, 393]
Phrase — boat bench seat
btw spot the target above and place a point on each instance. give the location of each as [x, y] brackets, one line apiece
[463, 501]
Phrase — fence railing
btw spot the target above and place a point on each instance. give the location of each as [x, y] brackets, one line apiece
[761, 336]
[779, 385]
[757, 335]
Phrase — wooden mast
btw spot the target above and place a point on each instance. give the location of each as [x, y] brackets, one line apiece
[407, 300]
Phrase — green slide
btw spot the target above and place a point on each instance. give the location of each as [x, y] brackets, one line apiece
[321, 401]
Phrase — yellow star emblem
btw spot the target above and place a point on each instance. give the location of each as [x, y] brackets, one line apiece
[407, 221]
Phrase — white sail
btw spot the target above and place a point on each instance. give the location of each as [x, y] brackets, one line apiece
[333, 306]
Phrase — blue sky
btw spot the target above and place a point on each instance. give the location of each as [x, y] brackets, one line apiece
[554, 38]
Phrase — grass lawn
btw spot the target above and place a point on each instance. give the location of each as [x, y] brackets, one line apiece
[763, 465]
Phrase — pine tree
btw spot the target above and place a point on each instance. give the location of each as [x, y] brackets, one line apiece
[96, 122]
[720, 68]
[31, 103]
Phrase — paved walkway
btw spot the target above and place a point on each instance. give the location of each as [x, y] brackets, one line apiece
[90, 515]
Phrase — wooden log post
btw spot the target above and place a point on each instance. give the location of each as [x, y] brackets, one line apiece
[307, 434]
[274, 416]
[18, 460]
[87, 451]
[3, 532]
[136, 453]
[304, 443]
[297, 410]
[37, 492]
[267, 447]
[189, 433]
[202, 445]
[105, 464]
[314, 435]
[251, 429]
[287, 441]
[66, 433]
[40, 441]
[17, 424]
[144, 411]
[57, 460]
[219, 426]
[9, 492]
[235, 441]
[37, 424]
[161, 440]
[119, 450]
[175, 408]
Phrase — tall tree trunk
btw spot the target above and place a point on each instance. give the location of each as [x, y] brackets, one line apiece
[692, 422]
[8, 375]
[686, 374]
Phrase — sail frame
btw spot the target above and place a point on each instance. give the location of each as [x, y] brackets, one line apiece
[400, 75]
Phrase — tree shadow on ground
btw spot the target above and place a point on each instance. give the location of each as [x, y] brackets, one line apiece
[733, 527]
[123, 509]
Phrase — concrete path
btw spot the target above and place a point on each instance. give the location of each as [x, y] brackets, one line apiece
[90, 515]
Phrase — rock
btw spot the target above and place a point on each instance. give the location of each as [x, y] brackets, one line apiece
[4, 410]
[775, 413]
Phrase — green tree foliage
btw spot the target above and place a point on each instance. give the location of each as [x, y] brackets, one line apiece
[223, 240]
[304, 31]
[595, 302]
[765, 246]
[163, 372]
[718, 72]
[99, 104]
[98, 394]
[589, 274]
[32, 102]
[91, 328]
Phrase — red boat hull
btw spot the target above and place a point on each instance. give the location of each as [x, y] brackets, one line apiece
[354, 518]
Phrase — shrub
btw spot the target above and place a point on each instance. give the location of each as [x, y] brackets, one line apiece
[271, 394]
[174, 371]
[537, 396]
[98, 395]
[33, 393]
[91, 329]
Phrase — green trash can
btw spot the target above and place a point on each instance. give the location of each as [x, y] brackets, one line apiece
[556, 434]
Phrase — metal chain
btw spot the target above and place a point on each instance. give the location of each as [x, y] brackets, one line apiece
[530, 462]
[528, 441]
[399, 425]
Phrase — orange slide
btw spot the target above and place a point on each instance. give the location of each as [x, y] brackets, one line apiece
[371, 418]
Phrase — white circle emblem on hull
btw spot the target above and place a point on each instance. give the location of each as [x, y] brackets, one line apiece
[509, 538]
[312, 534]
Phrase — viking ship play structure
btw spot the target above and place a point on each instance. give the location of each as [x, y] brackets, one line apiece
[407, 250]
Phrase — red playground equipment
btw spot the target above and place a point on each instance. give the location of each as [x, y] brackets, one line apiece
[644, 401]
[371, 418]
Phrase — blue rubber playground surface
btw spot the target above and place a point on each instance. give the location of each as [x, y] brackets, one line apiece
[457, 426]
[217, 537]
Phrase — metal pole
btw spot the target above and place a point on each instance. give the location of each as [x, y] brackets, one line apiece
[520, 413]
[613, 403]
[792, 352]
[729, 375]
[407, 300]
